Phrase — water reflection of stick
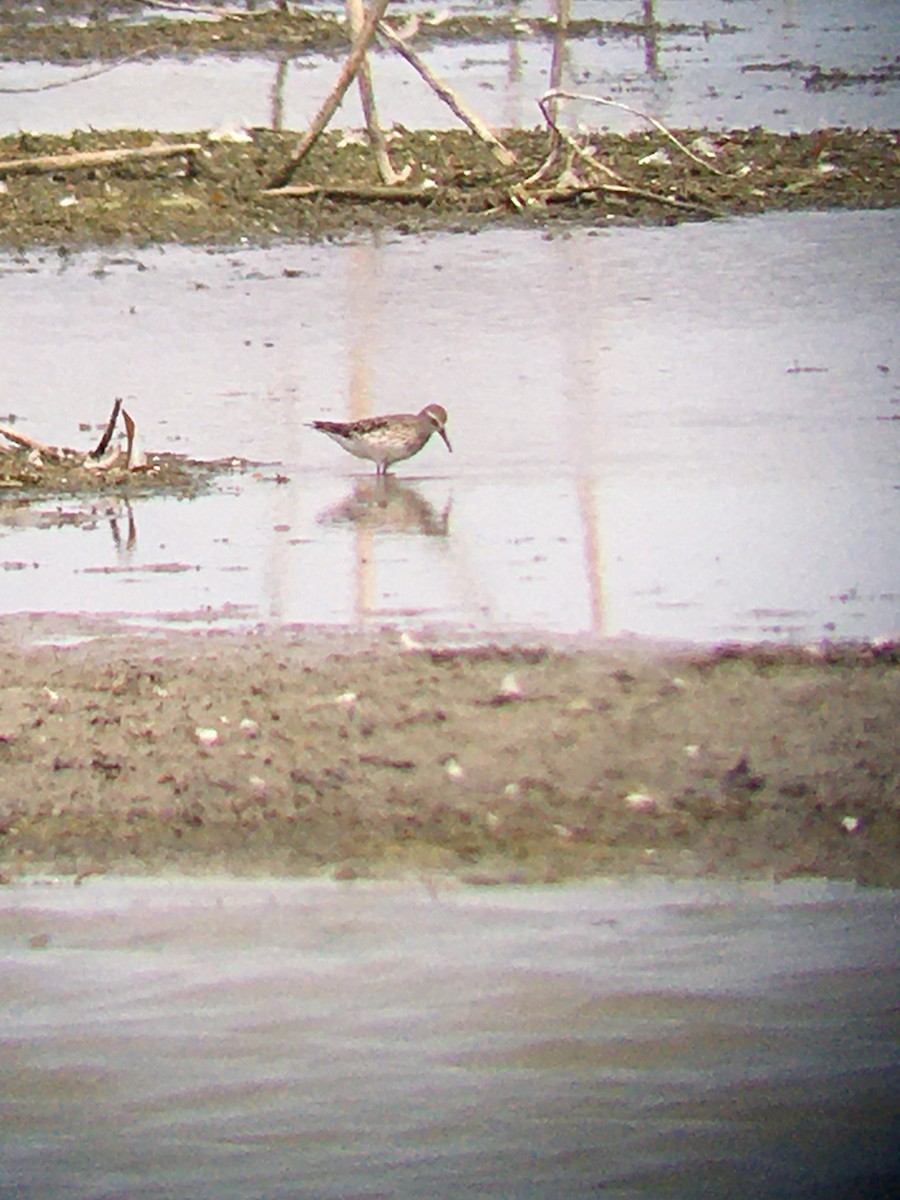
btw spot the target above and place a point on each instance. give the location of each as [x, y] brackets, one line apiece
[563, 13]
[502, 153]
[333, 100]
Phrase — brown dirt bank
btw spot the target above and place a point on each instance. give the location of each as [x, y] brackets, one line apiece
[297, 754]
[214, 195]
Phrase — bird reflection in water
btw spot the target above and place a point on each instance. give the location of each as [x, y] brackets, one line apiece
[382, 504]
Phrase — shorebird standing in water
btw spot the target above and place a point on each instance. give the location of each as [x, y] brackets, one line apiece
[388, 439]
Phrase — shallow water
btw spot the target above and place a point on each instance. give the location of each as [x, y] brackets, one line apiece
[225, 1038]
[687, 433]
[755, 74]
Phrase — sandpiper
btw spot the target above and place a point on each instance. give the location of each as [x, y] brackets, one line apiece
[388, 439]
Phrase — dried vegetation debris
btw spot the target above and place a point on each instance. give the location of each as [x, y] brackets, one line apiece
[29, 468]
[210, 188]
[493, 764]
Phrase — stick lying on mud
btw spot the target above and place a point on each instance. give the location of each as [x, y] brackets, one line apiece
[353, 191]
[93, 158]
[28, 443]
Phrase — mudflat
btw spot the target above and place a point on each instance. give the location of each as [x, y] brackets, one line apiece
[301, 753]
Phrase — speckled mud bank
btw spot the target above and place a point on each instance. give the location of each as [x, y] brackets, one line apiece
[285, 755]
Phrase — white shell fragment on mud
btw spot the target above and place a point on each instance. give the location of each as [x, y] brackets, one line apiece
[640, 802]
[453, 769]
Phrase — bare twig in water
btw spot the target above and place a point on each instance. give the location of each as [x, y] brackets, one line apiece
[336, 95]
[97, 452]
[134, 458]
[502, 153]
[30, 443]
[94, 158]
[356, 18]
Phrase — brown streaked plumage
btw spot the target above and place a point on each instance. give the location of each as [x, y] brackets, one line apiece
[388, 439]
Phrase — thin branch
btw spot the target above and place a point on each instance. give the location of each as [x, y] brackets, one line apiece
[29, 443]
[97, 452]
[558, 94]
[353, 191]
[93, 158]
[93, 73]
[333, 100]
[563, 194]
[502, 153]
[356, 17]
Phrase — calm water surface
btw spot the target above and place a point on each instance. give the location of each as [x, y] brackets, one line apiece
[732, 64]
[233, 1039]
[687, 433]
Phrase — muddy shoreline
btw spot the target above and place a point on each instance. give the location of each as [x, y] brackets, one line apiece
[215, 193]
[295, 754]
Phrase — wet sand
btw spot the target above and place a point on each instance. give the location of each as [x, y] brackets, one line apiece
[303, 753]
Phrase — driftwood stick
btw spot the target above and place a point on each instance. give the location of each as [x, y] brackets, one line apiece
[93, 73]
[558, 94]
[29, 443]
[333, 100]
[93, 158]
[578, 151]
[356, 18]
[564, 193]
[353, 191]
[502, 153]
[134, 458]
[97, 452]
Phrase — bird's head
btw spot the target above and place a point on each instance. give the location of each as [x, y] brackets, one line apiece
[438, 418]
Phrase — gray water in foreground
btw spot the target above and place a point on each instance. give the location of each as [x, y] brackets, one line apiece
[222, 1038]
[686, 433]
